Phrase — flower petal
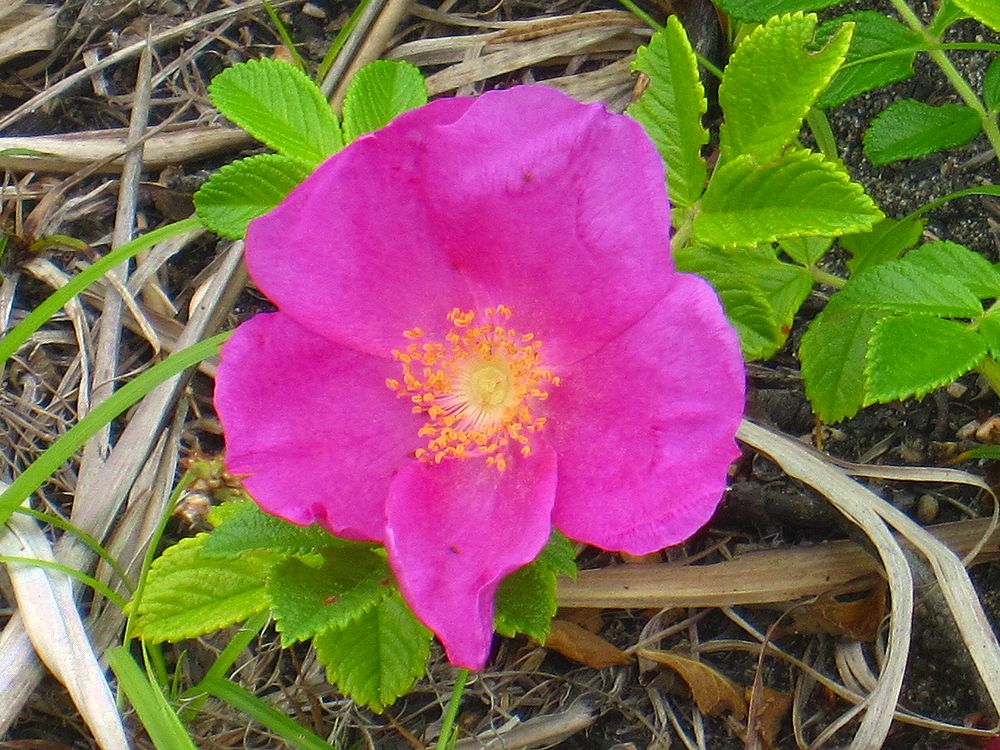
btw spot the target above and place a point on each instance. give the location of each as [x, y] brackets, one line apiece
[455, 530]
[312, 425]
[348, 253]
[644, 428]
[552, 208]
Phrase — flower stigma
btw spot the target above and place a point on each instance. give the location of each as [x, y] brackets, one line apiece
[477, 387]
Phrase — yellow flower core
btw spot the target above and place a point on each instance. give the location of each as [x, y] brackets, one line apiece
[476, 387]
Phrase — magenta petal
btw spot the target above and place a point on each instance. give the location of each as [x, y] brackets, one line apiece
[555, 209]
[348, 254]
[644, 428]
[455, 530]
[312, 425]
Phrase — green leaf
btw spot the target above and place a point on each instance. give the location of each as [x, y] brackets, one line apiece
[958, 261]
[989, 329]
[786, 287]
[761, 10]
[991, 85]
[770, 84]
[947, 14]
[278, 105]
[832, 353]
[805, 250]
[909, 129]
[526, 603]
[188, 595]
[558, 555]
[376, 658]
[885, 241]
[671, 108]
[245, 189]
[874, 34]
[987, 12]
[897, 286]
[307, 600]
[911, 355]
[378, 92]
[249, 528]
[799, 194]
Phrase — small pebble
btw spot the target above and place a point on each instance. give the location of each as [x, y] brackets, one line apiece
[956, 390]
[313, 11]
[927, 508]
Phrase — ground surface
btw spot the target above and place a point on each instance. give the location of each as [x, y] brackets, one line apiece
[618, 706]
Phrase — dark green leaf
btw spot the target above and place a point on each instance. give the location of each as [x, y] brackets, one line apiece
[897, 286]
[378, 92]
[558, 555]
[250, 528]
[761, 10]
[989, 329]
[991, 85]
[909, 129]
[526, 602]
[885, 241]
[952, 259]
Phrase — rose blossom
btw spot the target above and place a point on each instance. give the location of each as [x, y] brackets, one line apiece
[480, 335]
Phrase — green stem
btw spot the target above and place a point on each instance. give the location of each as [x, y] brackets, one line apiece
[990, 370]
[448, 729]
[683, 234]
[639, 13]
[989, 122]
[829, 279]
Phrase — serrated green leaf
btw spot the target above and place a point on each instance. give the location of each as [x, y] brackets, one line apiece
[376, 658]
[188, 595]
[306, 600]
[987, 12]
[832, 353]
[989, 329]
[874, 34]
[558, 555]
[947, 14]
[911, 355]
[885, 241]
[278, 105]
[378, 92]
[805, 250]
[958, 261]
[526, 603]
[671, 108]
[909, 129]
[786, 287]
[220, 514]
[897, 286]
[245, 189]
[991, 85]
[249, 528]
[770, 84]
[799, 194]
[761, 10]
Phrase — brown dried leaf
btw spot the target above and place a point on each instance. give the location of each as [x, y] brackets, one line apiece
[857, 620]
[582, 646]
[770, 713]
[712, 691]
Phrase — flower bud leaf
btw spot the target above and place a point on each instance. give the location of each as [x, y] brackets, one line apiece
[770, 84]
[188, 594]
[378, 92]
[377, 657]
[909, 129]
[671, 108]
[278, 105]
[911, 355]
[245, 189]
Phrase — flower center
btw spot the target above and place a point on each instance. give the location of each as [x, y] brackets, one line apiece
[477, 387]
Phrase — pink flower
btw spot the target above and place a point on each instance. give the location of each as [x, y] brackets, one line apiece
[480, 335]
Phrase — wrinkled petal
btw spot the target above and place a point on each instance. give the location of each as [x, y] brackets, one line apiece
[312, 425]
[349, 253]
[455, 530]
[644, 428]
[555, 209]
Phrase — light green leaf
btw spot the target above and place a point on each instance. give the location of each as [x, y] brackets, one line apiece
[909, 129]
[947, 14]
[558, 555]
[991, 85]
[952, 259]
[378, 92]
[799, 194]
[987, 12]
[376, 658]
[832, 353]
[897, 286]
[245, 189]
[805, 250]
[249, 528]
[671, 108]
[989, 329]
[278, 105]
[526, 603]
[761, 10]
[885, 241]
[770, 84]
[188, 595]
[786, 287]
[874, 34]
[911, 355]
[306, 600]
